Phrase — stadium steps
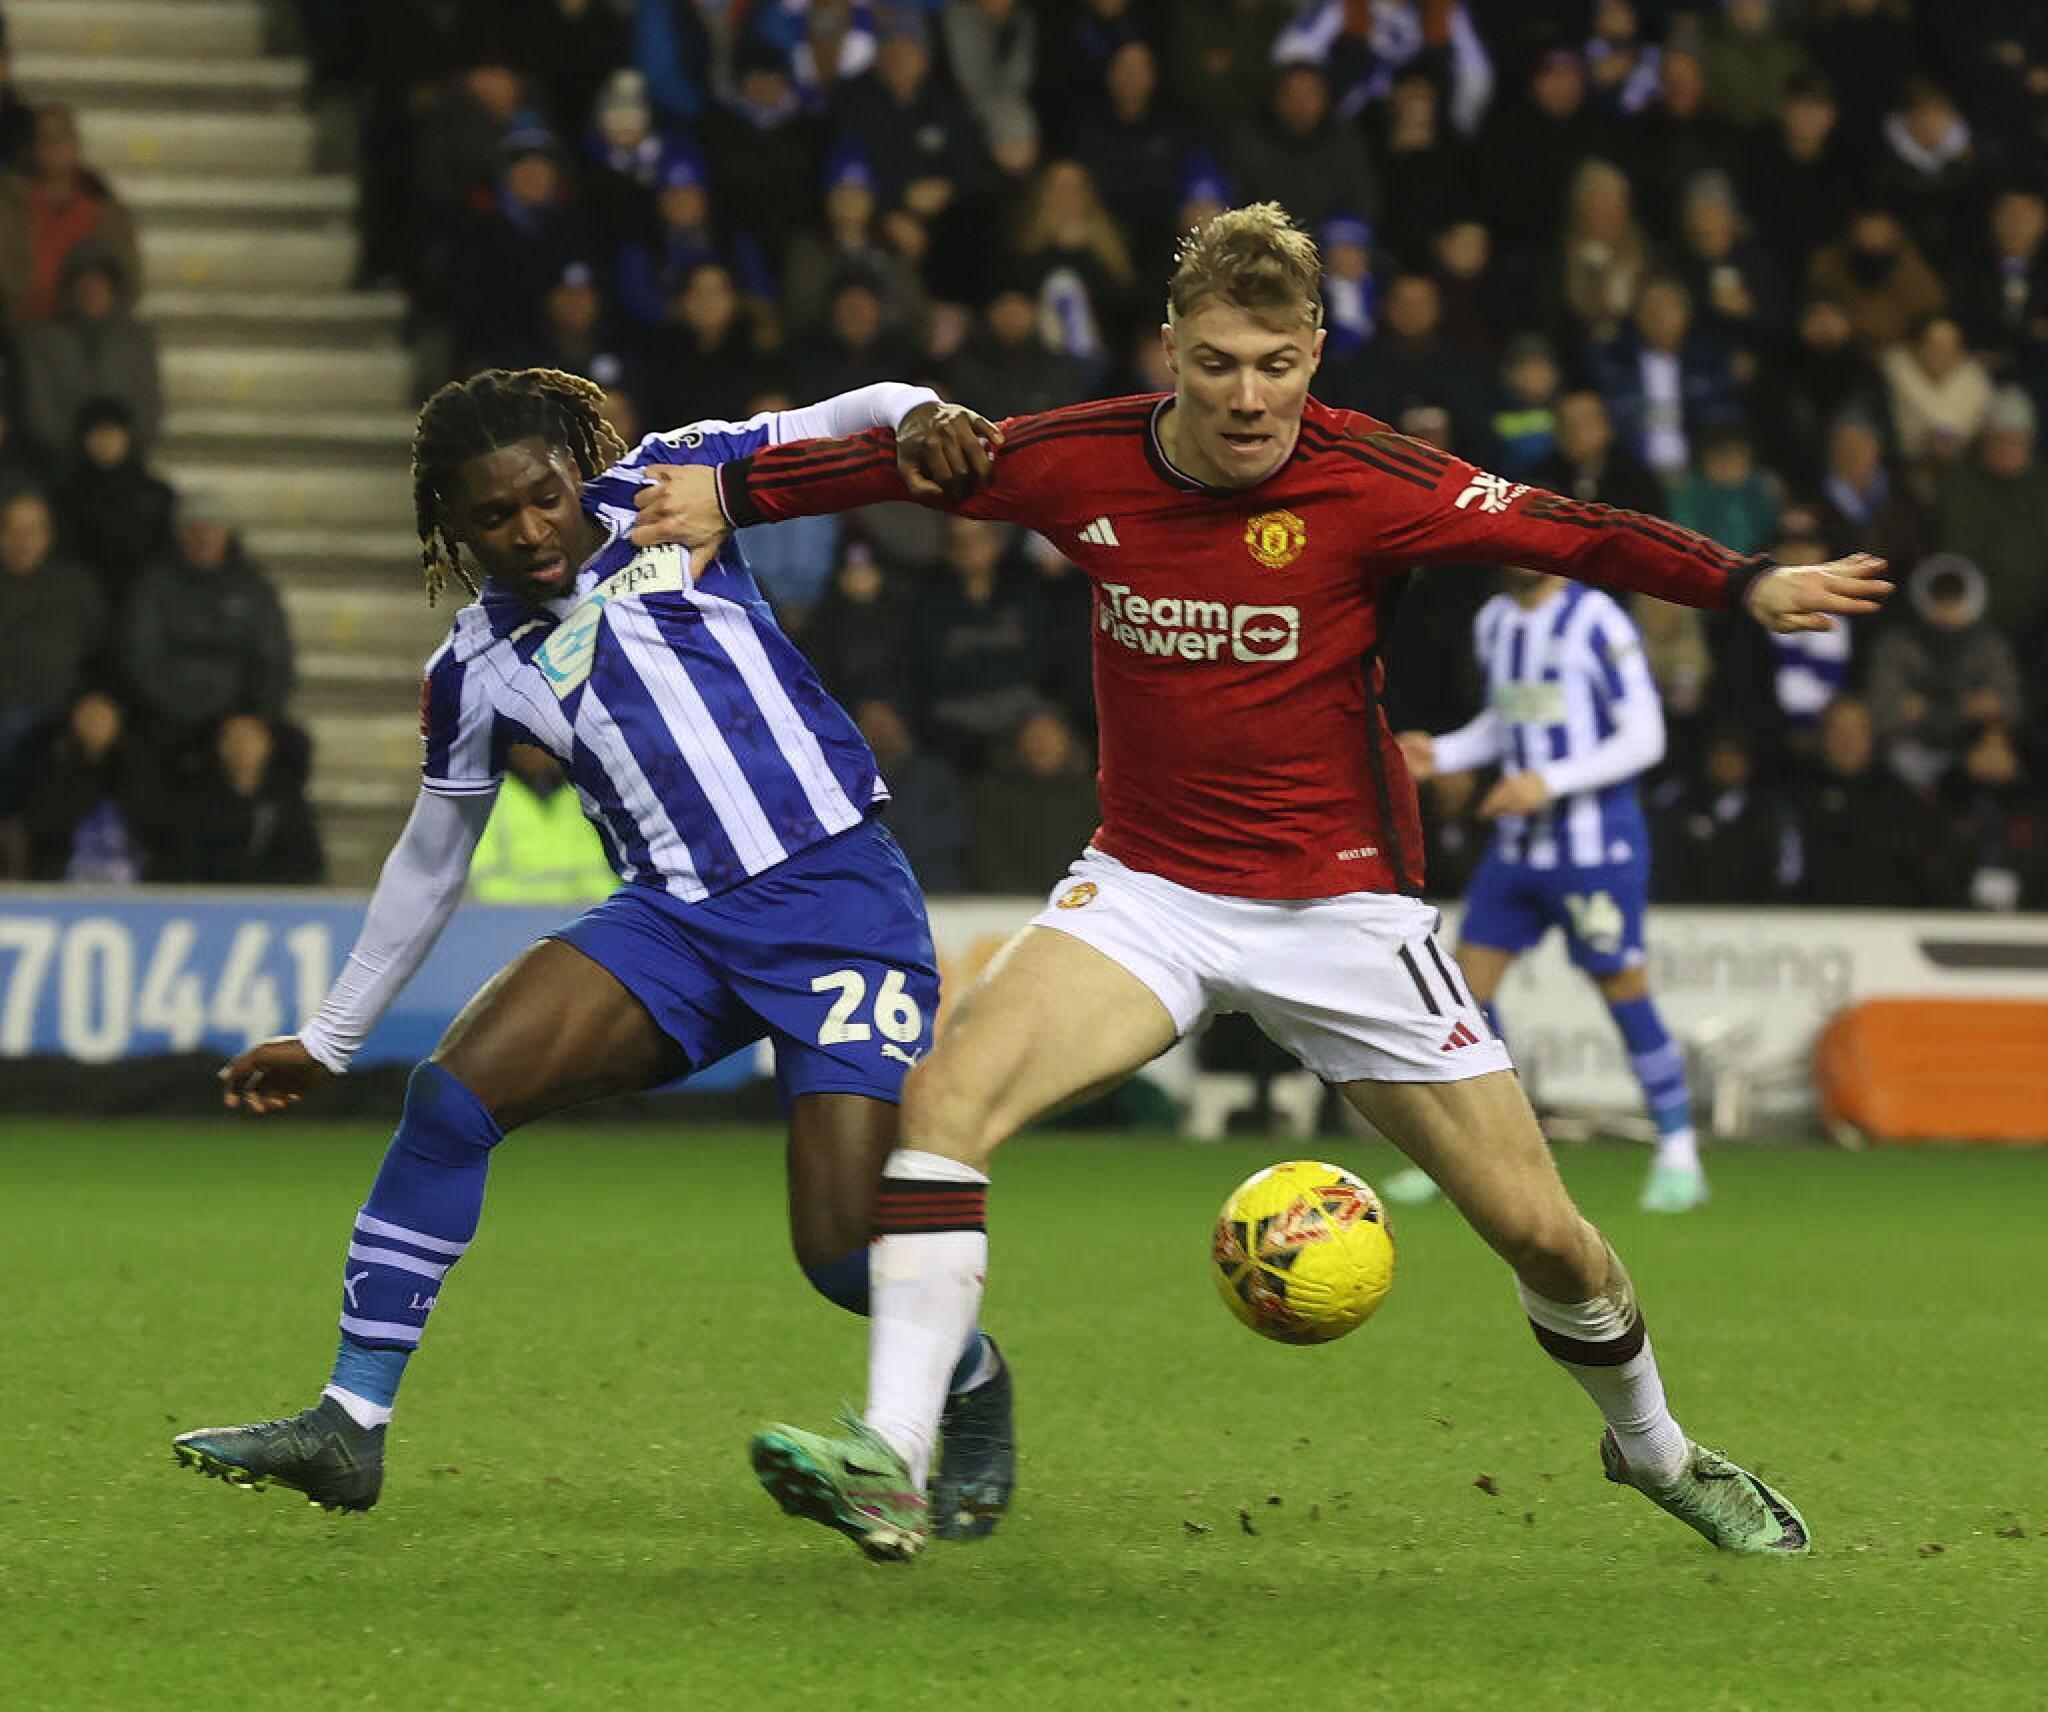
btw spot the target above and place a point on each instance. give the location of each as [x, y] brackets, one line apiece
[130, 29]
[288, 392]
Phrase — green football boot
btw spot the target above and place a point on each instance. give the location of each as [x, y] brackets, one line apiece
[854, 1483]
[1733, 1508]
[977, 1457]
[1674, 1189]
[320, 1452]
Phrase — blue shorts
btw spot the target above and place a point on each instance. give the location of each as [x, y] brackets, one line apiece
[1510, 907]
[828, 954]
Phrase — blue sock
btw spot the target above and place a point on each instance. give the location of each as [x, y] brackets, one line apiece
[422, 1211]
[845, 1281]
[1658, 1062]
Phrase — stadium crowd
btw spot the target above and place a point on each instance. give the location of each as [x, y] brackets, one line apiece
[1778, 271]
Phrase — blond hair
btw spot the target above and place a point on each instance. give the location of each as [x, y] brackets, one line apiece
[1254, 258]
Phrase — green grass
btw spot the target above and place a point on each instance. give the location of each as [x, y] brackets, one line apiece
[1205, 1520]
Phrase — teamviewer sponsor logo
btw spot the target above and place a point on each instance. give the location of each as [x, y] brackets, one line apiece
[1173, 627]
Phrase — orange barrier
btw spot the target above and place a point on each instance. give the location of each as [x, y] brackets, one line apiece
[1937, 1070]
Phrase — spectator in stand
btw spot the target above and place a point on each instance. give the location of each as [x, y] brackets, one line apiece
[1798, 179]
[458, 146]
[1033, 810]
[927, 811]
[1720, 836]
[850, 246]
[708, 356]
[765, 153]
[1133, 149]
[1006, 368]
[1480, 304]
[1588, 464]
[1939, 394]
[653, 269]
[506, 257]
[682, 50]
[1992, 508]
[50, 204]
[246, 818]
[1998, 825]
[838, 45]
[856, 348]
[1939, 671]
[1879, 277]
[860, 632]
[1525, 426]
[1786, 679]
[204, 634]
[1867, 49]
[1812, 384]
[1298, 153]
[1738, 290]
[1622, 64]
[2002, 283]
[930, 168]
[576, 334]
[1861, 833]
[92, 348]
[1665, 386]
[979, 653]
[1364, 49]
[112, 514]
[52, 625]
[624, 155]
[1727, 497]
[1549, 135]
[1862, 508]
[537, 847]
[1082, 263]
[17, 117]
[1408, 363]
[1604, 253]
[92, 807]
[1426, 170]
[1351, 294]
[1675, 649]
[1750, 60]
[1995, 53]
[1677, 139]
[1931, 171]
[992, 48]
[1219, 57]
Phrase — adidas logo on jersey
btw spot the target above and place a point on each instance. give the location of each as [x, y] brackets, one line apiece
[1100, 533]
[1461, 1035]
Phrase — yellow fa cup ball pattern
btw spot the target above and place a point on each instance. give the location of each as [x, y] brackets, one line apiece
[1303, 1252]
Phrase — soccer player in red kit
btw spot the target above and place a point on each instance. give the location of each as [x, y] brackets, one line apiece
[1259, 849]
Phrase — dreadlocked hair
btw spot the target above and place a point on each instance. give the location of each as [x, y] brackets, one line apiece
[486, 413]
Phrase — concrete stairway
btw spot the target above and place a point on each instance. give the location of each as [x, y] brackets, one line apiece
[288, 391]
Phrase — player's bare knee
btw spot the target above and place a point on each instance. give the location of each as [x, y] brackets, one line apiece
[945, 1112]
[1557, 1254]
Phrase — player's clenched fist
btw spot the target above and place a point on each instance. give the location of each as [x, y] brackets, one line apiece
[946, 451]
[1801, 597]
[679, 505]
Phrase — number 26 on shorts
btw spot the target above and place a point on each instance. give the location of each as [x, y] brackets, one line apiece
[897, 1016]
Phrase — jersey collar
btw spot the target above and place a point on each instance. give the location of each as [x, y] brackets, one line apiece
[1176, 477]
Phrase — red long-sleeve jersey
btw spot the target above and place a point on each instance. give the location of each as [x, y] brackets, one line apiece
[1237, 674]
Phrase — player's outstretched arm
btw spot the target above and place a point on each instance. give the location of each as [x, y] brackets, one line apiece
[943, 454]
[1810, 597]
[417, 892]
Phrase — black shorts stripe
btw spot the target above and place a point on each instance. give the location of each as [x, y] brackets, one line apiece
[1415, 975]
[1459, 991]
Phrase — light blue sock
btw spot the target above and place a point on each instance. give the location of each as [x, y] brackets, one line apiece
[422, 1211]
[845, 1281]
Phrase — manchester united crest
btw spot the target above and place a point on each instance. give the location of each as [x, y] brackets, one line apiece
[1078, 896]
[1275, 538]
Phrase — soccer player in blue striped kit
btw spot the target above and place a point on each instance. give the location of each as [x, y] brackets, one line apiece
[736, 802]
[1572, 718]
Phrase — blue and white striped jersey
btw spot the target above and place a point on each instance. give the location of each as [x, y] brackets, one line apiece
[1569, 695]
[700, 741]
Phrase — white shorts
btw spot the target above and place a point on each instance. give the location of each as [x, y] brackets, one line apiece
[1354, 986]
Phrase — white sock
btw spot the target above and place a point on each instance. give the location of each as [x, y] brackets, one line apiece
[1630, 1393]
[1680, 1148]
[359, 1409]
[925, 1274]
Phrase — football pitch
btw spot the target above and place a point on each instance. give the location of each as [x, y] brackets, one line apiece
[1412, 1518]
